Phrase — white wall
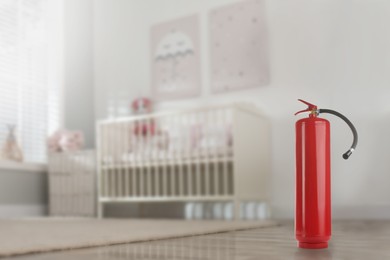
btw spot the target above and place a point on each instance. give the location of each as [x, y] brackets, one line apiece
[333, 53]
[78, 68]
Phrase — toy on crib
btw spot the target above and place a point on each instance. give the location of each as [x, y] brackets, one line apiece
[65, 140]
[142, 106]
[11, 150]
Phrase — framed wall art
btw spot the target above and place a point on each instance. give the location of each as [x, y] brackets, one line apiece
[238, 46]
[175, 59]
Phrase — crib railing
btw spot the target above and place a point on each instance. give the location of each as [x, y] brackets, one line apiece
[175, 181]
[192, 155]
[167, 155]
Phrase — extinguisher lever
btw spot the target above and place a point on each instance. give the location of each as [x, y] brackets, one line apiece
[349, 123]
[310, 107]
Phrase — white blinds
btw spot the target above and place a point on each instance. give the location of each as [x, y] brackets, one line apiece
[27, 100]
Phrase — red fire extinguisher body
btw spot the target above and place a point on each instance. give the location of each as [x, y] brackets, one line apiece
[313, 193]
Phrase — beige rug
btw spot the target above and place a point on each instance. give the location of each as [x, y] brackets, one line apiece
[44, 235]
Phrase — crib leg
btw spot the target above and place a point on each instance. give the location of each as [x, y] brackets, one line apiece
[100, 210]
[236, 210]
[141, 210]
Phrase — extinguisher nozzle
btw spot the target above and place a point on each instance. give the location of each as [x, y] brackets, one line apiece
[347, 154]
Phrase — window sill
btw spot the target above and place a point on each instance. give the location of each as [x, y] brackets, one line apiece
[23, 166]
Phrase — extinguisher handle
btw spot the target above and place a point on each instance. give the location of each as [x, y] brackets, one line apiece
[310, 107]
[349, 123]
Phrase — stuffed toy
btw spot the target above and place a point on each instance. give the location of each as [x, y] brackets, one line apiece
[142, 106]
[65, 140]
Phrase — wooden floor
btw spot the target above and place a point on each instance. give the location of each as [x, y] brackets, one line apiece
[351, 240]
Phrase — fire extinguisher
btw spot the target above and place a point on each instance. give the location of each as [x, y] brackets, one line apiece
[313, 193]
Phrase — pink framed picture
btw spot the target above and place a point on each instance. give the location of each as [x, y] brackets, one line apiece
[175, 59]
[238, 46]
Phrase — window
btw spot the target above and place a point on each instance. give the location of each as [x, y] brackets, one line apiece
[28, 98]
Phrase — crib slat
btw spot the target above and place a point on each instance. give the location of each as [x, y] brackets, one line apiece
[158, 171]
[207, 154]
[115, 168]
[119, 181]
[190, 172]
[104, 179]
[172, 173]
[109, 161]
[135, 161]
[123, 157]
[166, 161]
[217, 120]
[112, 168]
[118, 163]
[148, 180]
[182, 170]
[197, 161]
[145, 159]
[164, 180]
[132, 162]
[127, 180]
[119, 150]
[144, 167]
[140, 167]
[150, 147]
[189, 178]
[81, 183]
[171, 158]
[156, 180]
[126, 159]
[109, 164]
[177, 174]
[226, 115]
[109, 158]
[132, 184]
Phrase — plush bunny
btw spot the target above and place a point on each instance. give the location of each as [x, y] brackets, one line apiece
[11, 150]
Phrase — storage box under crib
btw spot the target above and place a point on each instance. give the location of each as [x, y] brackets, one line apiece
[206, 154]
[72, 184]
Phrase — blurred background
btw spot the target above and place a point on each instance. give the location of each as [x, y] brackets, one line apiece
[68, 64]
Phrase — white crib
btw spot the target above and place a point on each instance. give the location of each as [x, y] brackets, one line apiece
[207, 154]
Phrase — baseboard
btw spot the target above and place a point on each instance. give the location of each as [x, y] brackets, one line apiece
[361, 212]
[20, 211]
[343, 212]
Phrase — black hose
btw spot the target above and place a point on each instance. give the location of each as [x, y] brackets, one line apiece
[346, 120]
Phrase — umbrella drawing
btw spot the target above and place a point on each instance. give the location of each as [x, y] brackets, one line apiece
[172, 47]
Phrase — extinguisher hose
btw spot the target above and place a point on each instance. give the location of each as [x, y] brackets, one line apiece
[349, 123]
